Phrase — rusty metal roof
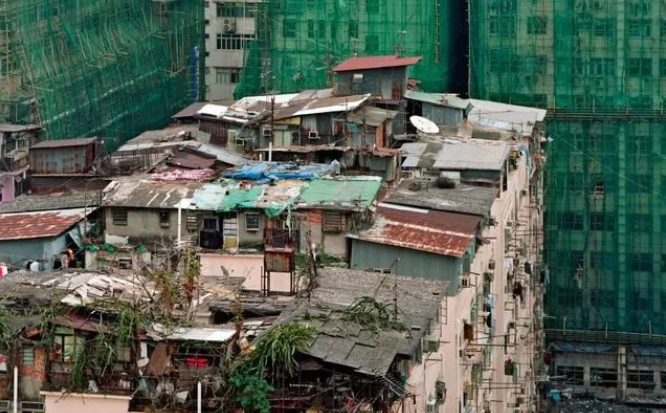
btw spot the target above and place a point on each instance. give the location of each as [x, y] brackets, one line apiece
[45, 224]
[11, 128]
[64, 143]
[375, 62]
[438, 232]
[189, 160]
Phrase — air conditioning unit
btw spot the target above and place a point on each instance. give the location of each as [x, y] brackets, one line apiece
[4, 406]
[229, 25]
[266, 132]
[431, 406]
[32, 407]
[313, 135]
[430, 344]
[492, 221]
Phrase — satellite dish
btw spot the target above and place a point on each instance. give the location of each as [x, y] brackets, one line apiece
[424, 125]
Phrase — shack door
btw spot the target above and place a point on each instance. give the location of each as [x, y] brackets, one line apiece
[230, 231]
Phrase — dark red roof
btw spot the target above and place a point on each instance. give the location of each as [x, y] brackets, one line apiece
[63, 143]
[33, 225]
[191, 161]
[375, 62]
[437, 232]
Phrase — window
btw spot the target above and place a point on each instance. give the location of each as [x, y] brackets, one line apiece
[332, 221]
[192, 223]
[640, 183]
[321, 29]
[372, 43]
[289, 28]
[210, 224]
[537, 25]
[236, 9]
[233, 41]
[65, 346]
[372, 6]
[604, 27]
[602, 377]
[311, 29]
[574, 375]
[28, 355]
[119, 216]
[639, 27]
[226, 76]
[352, 29]
[641, 262]
[663, 379]
[467, 263]
[252, 221]
[572, 221]
[639, 67]
[640, 379]
[640, 223]
[164, 218]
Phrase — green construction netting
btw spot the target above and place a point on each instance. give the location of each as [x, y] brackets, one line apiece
[299, 41]
[600, 69]
[96, 67]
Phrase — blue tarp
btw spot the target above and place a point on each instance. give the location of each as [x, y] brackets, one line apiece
[263, 172]
[648, 350]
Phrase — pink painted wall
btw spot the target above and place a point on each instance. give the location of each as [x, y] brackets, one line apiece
[7, 188]
[242, 265]
[84, 403]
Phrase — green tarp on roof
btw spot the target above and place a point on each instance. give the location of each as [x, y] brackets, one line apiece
[339, 192]
[240, 198]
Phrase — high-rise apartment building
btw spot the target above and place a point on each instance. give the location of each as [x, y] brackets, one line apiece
[599, 67]
[230, 31]
[97, 67]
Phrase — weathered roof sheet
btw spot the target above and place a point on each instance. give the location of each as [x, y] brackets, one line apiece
[459, 154]
[190, 111]
[371, 116]
[64, 143]
[426, 230]
[31, 203]
[475, 200]
[43, 224]
[314, 94]
[520, 119]
[375, 62]
[448, 100]
[11, 128]
[212, 110]
[416, 296]
[147, 194]
[328, 105]
[160, 135]
[202, 334]
[340, 193]
[221, 154]
[190, 161]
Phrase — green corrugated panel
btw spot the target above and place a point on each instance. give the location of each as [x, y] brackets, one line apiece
[98, 68]
[239, 198]
[348, 192]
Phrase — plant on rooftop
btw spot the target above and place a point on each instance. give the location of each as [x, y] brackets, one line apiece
[5, 330]
[373, 315]
[275, 351]
[250, 391]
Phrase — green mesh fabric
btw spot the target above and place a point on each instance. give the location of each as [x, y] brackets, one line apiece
[599, 67]
[300, 41]
[96, 67]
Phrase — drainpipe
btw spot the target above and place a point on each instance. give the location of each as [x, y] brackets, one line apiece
[199, 397]
[180, 222]
[15, 390]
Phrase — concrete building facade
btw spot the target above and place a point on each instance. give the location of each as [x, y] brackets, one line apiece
[230, 29]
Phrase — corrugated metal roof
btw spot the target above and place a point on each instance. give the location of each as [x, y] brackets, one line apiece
[448, 100]
[459, 154]
[202, 334]
[314, 94]
[520, 119]
[340, 193]
[371, 116]
[64, 143]
[190, 161]
[426, 230]
[328, 105]
[44, 224]
[10, 127]
[146, 194]
[375, 62]
[31, 203]
[190, 111]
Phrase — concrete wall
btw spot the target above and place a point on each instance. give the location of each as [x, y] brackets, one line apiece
[227, 61]
[18, 252]
[31, 378]
[331, 243]
[248, 266]
[84, 403]
[457, 309]
[442, 115]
